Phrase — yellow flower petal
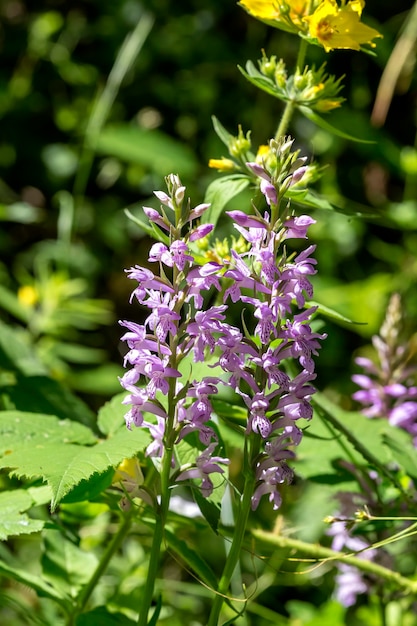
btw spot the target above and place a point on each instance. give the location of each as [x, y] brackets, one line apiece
[222, 164]
[340, 27]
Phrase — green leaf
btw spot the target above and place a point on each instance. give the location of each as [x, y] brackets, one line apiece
[111, 415]
[220, 192]
[304, 197]
[192, 558]
[13, 520]
[324, 451]
[148, 228]
[221, 132]
[151, 148]
[36, 583]
[331, 313]
[321, 123]
[100, 615]
[64, 465]
[64, 565]
[90, 488]
[19, 429]
[11, 303]
[402, 450]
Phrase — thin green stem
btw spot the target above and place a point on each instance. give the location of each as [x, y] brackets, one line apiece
[327, 554]
[238, 534]
[102, 566]
[291, 105]
[157, 540]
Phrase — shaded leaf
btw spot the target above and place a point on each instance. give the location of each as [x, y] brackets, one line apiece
[101, 615]
[192, 558]
[151, 148]
[64, 565]
[220, 192]
[321, 123]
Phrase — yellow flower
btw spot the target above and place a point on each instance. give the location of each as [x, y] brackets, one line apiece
[340, 27]
[223, 164]
[285, 14]
[28, 295]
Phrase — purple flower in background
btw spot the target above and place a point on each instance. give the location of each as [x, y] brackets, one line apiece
[349, 582]
[386, 388]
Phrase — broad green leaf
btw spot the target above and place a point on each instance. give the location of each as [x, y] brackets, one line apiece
[63, 466]
[13, 519]
[90, 488]
[64, 565]
[150, 148]
[321, 123]
[101, 616]
[111, 415]
[220, 192]
[19, 429]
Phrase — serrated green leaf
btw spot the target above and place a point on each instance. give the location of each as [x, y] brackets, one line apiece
[63, 466]
[151, 148]
[18, 429]
[220, 192]
[13, 520]
[321, 123]
[64, 565]
[111, 415]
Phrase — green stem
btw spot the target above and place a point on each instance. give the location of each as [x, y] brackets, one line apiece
[291, 105]
[157, 540]
[238, 536]
[102, 566]
[327, 554]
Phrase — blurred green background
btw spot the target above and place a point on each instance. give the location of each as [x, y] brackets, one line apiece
[100, 100]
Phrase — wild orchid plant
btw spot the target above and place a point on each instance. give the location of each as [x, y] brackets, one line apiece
[220, 387]
[268, 358]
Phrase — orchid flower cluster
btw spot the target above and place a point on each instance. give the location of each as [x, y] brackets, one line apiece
[274, 285]
[387, 388]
